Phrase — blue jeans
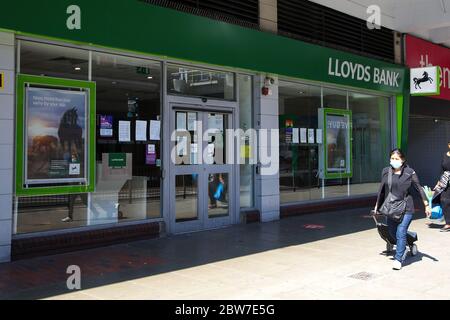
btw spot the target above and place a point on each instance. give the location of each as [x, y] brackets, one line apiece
[399, 231]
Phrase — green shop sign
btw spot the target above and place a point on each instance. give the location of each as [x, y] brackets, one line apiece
[117, 160]
[136, 26]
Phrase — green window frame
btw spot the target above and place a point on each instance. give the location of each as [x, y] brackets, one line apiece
[24, 80]
[324, 167]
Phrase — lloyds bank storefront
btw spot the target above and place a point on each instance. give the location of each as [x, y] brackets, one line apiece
[115, 121]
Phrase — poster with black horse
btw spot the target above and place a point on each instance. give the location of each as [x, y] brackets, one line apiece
[56, 136]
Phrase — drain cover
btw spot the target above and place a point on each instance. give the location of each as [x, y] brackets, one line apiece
[363, 276]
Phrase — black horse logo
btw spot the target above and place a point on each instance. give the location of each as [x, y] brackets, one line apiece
[425, 78]
[69, 132]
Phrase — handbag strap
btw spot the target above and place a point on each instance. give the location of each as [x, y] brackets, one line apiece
[390, 180]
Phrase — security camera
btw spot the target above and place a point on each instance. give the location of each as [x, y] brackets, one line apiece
[269, 81]
[204, 100]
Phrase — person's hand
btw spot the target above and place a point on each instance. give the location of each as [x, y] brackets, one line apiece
[374, 211]
[428, 211]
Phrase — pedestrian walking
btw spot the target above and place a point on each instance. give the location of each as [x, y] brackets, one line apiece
[441, 194]
[395, 201]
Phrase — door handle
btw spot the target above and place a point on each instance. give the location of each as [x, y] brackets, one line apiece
[162, 174]
[258, 168]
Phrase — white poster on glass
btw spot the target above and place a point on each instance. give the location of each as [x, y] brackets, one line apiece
[219, 122]
[303, 135]
[124, 131]
[181, 120]
[192, 118]
[310, 135]
[295, 135]
[141, 130]
[155, 127]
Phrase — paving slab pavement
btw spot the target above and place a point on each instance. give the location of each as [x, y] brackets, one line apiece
[275, 260]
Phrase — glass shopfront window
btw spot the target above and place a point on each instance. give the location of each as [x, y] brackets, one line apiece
[189, 81]
[302, 138]
[299, 160]
[246, 123]
[371, 140]
[128, 102]
[128, 145]
[42, 59]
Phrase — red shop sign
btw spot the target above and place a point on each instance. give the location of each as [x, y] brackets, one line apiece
[421, 53]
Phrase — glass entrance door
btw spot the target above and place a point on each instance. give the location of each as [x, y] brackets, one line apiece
[201, 173]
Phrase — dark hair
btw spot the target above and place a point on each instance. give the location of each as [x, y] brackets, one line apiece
[400, 153]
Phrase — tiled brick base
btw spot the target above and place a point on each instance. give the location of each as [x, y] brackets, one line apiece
[341, 204]
[46, 245]
[251, 216]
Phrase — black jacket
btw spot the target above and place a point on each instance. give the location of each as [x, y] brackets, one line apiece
[401, 186]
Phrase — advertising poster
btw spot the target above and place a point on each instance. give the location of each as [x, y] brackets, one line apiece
[337, 142]
[334, 137]
[150, 155]
[55, 147]
[106, 126]
[289, 130]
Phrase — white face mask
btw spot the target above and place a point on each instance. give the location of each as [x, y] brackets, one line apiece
[396, 164]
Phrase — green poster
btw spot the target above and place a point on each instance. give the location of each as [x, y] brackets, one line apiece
[117, 160]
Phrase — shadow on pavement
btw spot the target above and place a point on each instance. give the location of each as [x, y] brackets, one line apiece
[417, 258]
[46, 276]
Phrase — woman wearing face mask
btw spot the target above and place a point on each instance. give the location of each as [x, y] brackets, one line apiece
[403, 178]
[442, 190]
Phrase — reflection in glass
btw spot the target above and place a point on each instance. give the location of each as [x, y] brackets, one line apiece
[186, 203]
[44, 213]
[246, 123]
[218, 195]
[216, 145]
[186, 138]
[299, 160]
[197, 82]
[128, 90]
[334, 98]
[53, 61]
[371, 132]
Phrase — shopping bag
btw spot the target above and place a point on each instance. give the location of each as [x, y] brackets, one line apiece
[219, 191]
[436, 213]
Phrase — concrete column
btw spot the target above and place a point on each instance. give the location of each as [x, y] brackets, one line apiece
[7, 66]
[268, 185]
[268, 16]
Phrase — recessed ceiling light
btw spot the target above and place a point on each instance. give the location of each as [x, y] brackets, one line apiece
[149, 77]
[77, 68]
